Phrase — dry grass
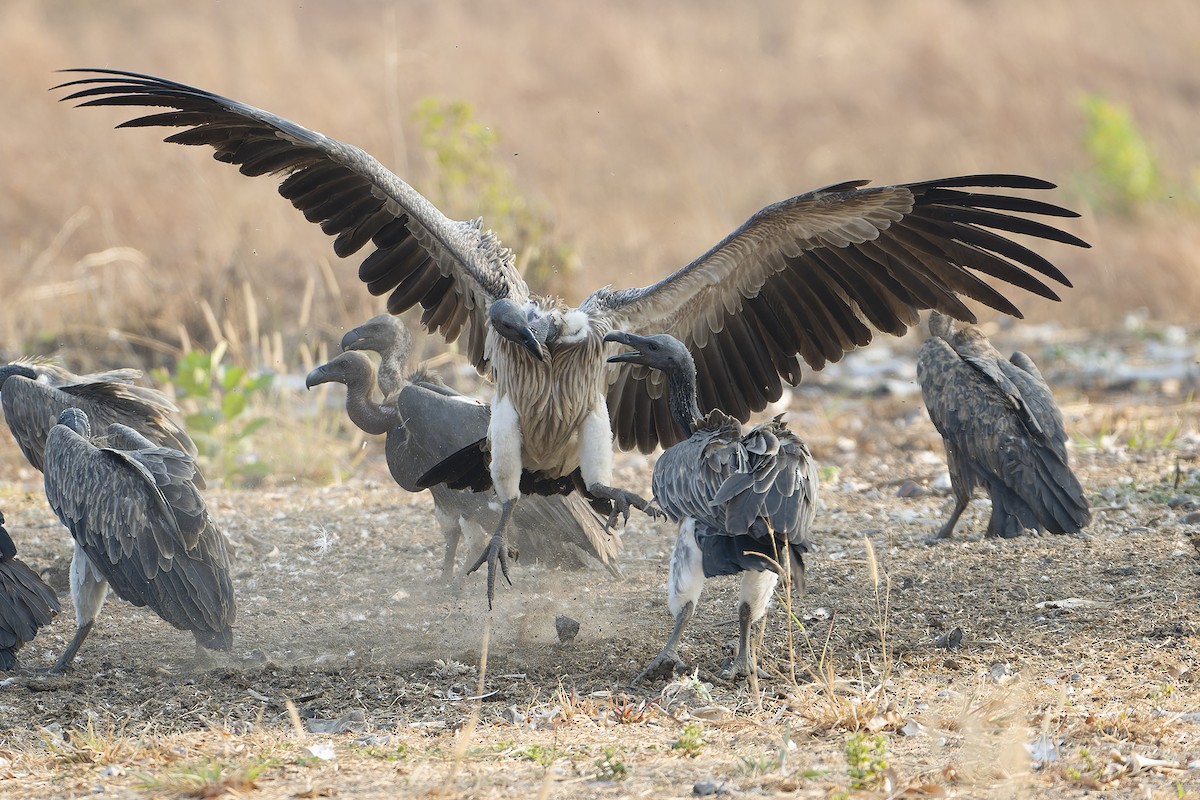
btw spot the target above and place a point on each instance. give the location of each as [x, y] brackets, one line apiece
[651, 134]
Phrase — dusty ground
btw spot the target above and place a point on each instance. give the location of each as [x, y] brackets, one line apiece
[1075, 667]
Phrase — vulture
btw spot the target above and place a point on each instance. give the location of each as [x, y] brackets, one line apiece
[26, 602]
[139, 524]
[807, 278]
[34, 397]
[1001, 430]
[561, 531]
[744, 501]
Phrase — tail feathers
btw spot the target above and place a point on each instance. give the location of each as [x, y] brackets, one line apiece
[1050, 499]
[215, 640]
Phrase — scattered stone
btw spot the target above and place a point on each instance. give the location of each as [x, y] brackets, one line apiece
[1184, 501]
[911, 489]
[710, 788]
[1191, 518]
[1000, 672]
[950, 640]
[1043, 751]
[322, 750]
[566, 627]
[350, 722]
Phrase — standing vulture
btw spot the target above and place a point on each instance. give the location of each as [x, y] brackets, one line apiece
[26, 602]
[558, 530]
[139, 524]
[33, 399]
[744, 501]
[806, 278]
[1001, 430]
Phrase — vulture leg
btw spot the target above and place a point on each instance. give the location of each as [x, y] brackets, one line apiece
[622, 501]
[683, 594]
[961, 486]
[497, 551]
[449, 523]
[752, 606]
[595, 463]
[88, 590]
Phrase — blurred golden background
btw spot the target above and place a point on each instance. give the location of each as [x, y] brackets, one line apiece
[638, 134]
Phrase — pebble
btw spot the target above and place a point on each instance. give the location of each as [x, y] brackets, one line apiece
[710, 788]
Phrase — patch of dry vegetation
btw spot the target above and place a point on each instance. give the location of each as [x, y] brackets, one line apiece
[650, 135]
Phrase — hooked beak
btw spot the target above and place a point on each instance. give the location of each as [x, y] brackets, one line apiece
[530, 342]
[352, 340]
[317, 376]
[627, 339]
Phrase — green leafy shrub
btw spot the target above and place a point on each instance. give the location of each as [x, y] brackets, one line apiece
[1122, 162]
[216, 399]
[471, 180]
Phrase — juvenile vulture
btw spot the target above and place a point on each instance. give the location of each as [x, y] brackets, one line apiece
[139, 524]
[26, 602]
[1001, 430]
[561, 531]
[744, 501]
[33, 398]
[806, 278]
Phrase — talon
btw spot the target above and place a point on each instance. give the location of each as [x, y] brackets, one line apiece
[665, 665]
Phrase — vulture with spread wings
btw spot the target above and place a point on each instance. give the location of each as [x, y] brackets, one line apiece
[803, 279]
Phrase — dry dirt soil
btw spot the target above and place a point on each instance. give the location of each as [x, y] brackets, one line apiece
[1037, 667]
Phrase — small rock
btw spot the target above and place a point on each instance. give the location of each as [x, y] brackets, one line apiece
[710, 788]
[911, 489]
[950, 640]
[1191, 518]
[1000, 672]
[1183, 501]
[321, 750]
[566, 627]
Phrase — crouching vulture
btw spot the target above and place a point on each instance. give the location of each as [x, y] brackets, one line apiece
[141, 526]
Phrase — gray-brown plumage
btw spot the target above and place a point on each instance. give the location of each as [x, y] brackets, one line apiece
[33, 398]
[806, 278]
[26, 602]
[744, 501]
[53, 374]
[560, 531]
[141, 526]
[1002, 431]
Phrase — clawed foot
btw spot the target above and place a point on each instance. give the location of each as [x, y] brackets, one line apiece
[735, 668]
[666, 665]
[496, 551]
[623, 501]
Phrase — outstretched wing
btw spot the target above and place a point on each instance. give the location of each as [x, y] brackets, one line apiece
[812, 278]
[453, 269]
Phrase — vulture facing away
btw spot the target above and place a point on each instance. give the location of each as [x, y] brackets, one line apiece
[33, 399]
[744, 501]
[26, 602]
[139, 524]
[807, 278]
[1002, 431]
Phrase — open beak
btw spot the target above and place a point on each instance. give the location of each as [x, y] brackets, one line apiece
[627, 339]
